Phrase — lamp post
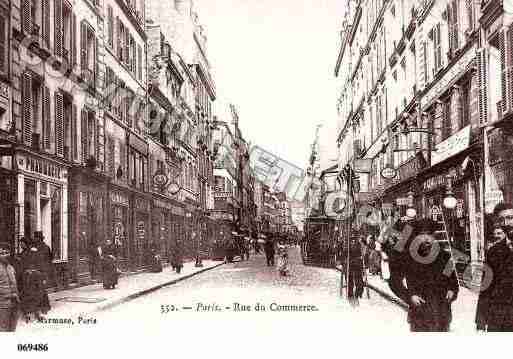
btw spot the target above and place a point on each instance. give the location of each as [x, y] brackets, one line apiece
[450, 202]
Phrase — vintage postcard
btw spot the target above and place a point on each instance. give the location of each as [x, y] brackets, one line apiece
[182, 170]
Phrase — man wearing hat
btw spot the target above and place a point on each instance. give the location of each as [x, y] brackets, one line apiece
[9, 298]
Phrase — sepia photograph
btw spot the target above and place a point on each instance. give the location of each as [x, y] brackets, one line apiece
[270, 174]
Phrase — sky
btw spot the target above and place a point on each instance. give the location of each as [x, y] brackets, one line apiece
[275, 60]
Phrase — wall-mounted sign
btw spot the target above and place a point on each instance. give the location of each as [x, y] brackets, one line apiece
[160, 178]
[404, 201]
[388, 172]
[435, 212]
[363, 165]
[412, 167]
[451, 146]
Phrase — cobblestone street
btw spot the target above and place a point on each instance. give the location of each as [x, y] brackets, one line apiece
[231, 292]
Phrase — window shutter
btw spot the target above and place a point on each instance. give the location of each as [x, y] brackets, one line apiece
[132, 55]
[119, 39]
[57, 45]
[122, 159]
[470, 14]
[126, 56]
[483, 89]
[110, 157]
[59, 124]
[46, 118]
[450, 28]
[83, 45]
[46, 22]
[110, 26]
[3, 44]
[74, 40]
[74, 119]
[504, 72]
[26, 94]
[139, 62]
[96, 131]
[509, 68]
[455, 24]
[26, 21]
[96, 63]
[83, 135]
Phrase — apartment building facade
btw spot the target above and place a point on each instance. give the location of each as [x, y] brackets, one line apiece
[411, 83]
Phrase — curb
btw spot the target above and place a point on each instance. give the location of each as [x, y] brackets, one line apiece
[384, 294]
[149, 290]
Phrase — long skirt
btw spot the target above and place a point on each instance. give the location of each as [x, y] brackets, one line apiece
[110, 273]
[34, 297]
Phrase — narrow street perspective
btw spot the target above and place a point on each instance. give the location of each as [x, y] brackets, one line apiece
[234, 292]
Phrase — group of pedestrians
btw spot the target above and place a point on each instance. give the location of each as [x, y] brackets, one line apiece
[24, 279]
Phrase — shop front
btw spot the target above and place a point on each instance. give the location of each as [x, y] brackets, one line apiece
[451, 198]
[42, 199]
[167, 225]
[88, 219]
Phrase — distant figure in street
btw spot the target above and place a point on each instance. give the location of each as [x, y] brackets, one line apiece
[36, 265]
[352, 262]
[495, 305]
[269, 251]
[109, 265]
[419, 277]
[154, 258]
[283, 259]
[177, 256]
[9, 297]
[94, 259]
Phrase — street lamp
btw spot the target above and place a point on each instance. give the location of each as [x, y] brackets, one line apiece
[450, 202]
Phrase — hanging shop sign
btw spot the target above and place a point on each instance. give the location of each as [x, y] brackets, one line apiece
[142, 204]
[141, 229]
[451, 146]
[119, 198]
[160, 179]
[440, 180]
[363, 165]
[388, 172]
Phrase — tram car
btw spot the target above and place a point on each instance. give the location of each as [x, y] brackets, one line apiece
[318, 248]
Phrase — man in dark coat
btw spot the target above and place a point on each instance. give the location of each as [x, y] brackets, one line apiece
[177, 256]
[352, 263]
[495, 305]
[269, 251]
[36, 265]
[109, 255]
[431, 283]
[94, 259]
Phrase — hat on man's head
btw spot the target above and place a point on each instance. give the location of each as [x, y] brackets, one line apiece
[499, 207]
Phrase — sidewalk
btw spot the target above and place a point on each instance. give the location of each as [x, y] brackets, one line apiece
[463, 309]
[82, 301]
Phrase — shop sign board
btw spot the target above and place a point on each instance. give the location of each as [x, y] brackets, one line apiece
[388, 172]
[492, 197]
[451, 146]
[403, 201]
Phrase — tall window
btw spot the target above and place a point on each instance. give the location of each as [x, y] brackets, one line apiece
[4, 39]
[453, 23]
[437, 47]
[89, 135]
[110, 27]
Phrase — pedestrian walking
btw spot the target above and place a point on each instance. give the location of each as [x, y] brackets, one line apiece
[109, 265]
[35, 264]
[352, 259]
[495, 305]
[424, 284]
[283, 259]
[9, 297]
[177, 256]
[269, 251]
[154, 258]
[94, 259]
